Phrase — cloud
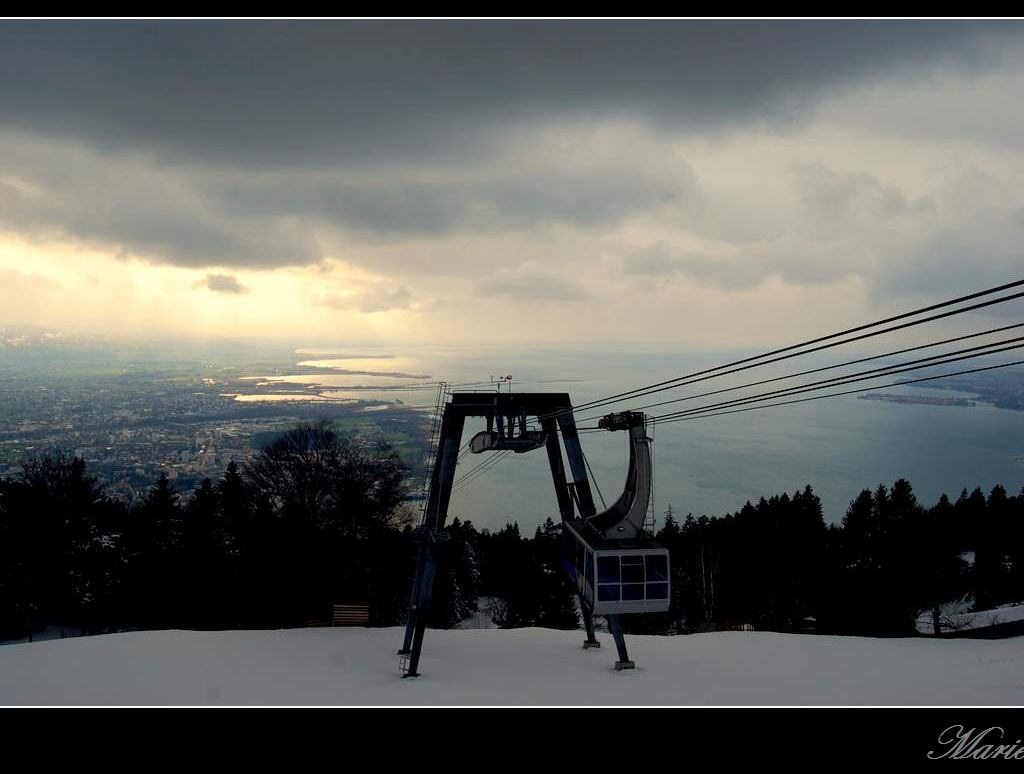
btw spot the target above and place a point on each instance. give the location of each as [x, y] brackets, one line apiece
[836, 204]
[530, 282]
[222, 283]
[200, 217]
[492, 164]
[128, 205]
[974, 241]
[305, 92]
[370, 301]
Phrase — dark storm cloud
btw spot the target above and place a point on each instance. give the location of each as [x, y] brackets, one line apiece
[132, 208]
[200, 217]
[270, 92]
[512, 192]
[260, 144]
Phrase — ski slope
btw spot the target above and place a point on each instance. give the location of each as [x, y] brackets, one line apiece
[357, 666]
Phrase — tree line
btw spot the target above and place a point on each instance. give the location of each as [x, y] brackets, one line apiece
[318, 518]
[777, 566]
[315, 518]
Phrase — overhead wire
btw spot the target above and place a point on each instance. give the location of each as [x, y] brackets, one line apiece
[823, 368]
[745, 364]
[750, 362]
[846, 392]
[911, 365]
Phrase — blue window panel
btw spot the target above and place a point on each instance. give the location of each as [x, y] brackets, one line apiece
[632, 592]
[657, 591]
[608, 592]
[632, 569]
[657, 568]
[607, 569]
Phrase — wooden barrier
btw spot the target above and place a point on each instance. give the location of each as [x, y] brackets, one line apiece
[343, 615]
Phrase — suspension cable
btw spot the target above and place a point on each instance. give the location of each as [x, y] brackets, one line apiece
[593, 478]
[846, 392]
[707, 374]
[846, 364]
[834, 382]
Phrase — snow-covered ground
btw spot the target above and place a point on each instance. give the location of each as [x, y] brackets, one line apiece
[521, 666]
[958, 616]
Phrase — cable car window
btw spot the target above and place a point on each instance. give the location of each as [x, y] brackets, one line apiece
[608, 569]
[657, 568]
[608, 592]
[657, 591]
[632, 569]
[632, 591]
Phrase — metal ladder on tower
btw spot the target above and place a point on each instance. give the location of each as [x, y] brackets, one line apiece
[430, 457]
[429, 460]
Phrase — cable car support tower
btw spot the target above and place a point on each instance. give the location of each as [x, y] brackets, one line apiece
[609, 557]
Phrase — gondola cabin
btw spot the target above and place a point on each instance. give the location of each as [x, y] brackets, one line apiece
[616, 576]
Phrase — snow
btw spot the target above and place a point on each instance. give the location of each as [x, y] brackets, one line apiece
[957, 616]
[481, 619]
[358, 666]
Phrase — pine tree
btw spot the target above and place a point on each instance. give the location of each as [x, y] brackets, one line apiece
[557, 604]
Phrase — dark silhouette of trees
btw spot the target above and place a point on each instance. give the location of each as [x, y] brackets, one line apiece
[557, 599]
[320, 500]
[318, 517]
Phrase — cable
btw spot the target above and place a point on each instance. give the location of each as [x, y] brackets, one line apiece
[471, 471]
[649, 388]
[831, 367]
[678, 382]
[834, 382]
[748, 362]
[847, 392]
[890, 370]
[593, 478]
[479, 470]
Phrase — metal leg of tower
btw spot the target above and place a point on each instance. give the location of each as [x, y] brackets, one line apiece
[588, 624]
[410, 625]
[412, 661]
[420, 617]
[620, 644]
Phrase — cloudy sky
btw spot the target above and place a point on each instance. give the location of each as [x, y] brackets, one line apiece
[681, 183]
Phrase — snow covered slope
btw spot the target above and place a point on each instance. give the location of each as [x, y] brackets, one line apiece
[521, 666]
[954, 617]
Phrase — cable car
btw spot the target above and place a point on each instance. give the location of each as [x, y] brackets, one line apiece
[616, 576]
[615, 565]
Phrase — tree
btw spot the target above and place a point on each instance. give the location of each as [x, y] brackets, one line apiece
[457, 583]
[510, 578]
[153, 541]
[60, 507]
[326, 497]
[557, 603]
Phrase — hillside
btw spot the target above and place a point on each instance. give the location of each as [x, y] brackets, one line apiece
[521, 666]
